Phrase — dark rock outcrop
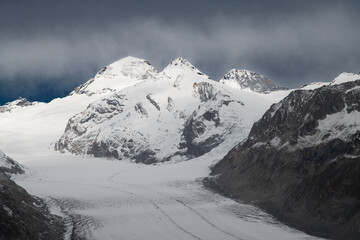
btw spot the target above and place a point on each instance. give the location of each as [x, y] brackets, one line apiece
[301, 161]
[9, 166]
[196, 126]
[21, 215]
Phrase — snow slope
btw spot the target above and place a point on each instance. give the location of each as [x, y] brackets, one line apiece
[118, 199]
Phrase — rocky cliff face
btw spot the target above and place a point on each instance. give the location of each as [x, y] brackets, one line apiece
[252, 81]
[301, 161]
[21, 215]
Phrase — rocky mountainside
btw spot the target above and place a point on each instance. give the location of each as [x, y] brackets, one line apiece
[21, 215]
[301, 160]
[176, 114]
[245, 79]
[9, 166]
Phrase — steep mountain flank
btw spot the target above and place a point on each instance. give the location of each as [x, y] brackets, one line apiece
[301, 161]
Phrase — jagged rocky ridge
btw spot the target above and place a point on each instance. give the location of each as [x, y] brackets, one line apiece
[176, 114]
[23, 216]
[301, 161]
[245, 79]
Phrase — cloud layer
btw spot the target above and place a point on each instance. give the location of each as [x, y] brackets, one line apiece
[293, 45]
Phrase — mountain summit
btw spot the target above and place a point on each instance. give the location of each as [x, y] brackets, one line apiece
[123, 73]
[181, 65]
[245, 79]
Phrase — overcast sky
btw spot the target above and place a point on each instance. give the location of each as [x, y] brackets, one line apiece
[47, 48]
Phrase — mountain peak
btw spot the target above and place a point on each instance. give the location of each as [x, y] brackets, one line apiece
[20, 102]
[181, 64]
[129, 60]
[120, 74]
[245, 79]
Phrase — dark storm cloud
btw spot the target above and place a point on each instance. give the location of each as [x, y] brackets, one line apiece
[294, 42]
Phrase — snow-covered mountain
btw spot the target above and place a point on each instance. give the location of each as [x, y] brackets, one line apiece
[176, 114]
[21, 102]
[302, 158]
[248, 80]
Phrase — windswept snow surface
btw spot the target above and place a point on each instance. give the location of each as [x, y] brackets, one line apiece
[104, 199]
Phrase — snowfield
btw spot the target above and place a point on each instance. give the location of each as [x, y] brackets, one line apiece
[111, 199]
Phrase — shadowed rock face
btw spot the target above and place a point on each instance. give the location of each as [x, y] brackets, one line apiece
[196, 126]
[9, 166]
[301, 161]
[23, 216]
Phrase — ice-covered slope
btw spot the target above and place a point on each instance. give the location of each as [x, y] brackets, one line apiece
[251, 81]
[180, 114]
